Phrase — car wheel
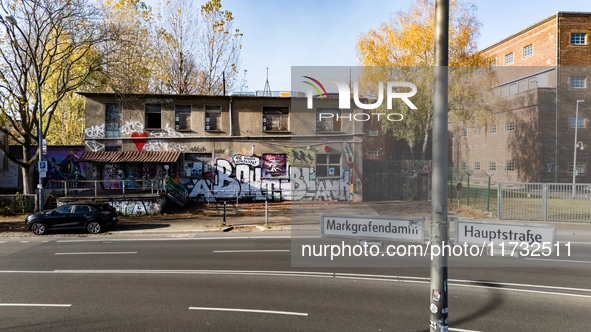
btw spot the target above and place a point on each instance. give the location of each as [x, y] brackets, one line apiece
[38, 228]
[93, 227]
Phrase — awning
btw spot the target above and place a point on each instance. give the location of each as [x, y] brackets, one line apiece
[130, 157]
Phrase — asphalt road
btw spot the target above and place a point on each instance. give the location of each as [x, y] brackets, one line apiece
[244, 281]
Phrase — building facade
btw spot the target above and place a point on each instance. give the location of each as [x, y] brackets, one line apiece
[541, 72]
[225, 147]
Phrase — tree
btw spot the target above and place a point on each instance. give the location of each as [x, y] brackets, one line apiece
[131, 57]
[407, 41]
[219, 57]
[180, 38]
[48, 48]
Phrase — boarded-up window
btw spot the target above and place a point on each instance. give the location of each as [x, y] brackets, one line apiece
[328, 119]
[112, 120]
[182, 117]
[275, 118]
[213, 118]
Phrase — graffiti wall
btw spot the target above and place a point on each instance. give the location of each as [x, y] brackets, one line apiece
[62, 163]
[244, 177]
[133, 207]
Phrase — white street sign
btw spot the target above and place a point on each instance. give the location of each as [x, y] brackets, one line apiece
[373, 228]
[508, 234]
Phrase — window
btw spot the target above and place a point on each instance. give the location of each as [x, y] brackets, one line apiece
[528, 51]
[328, 165]
[372, 153]
[328, 119]
[153, 119]
[213, 118]
[492, 129]
[510, 126]
[580, 122]
[477, 131]
[494, 64]
[275, 118]
[580, 168]
[476, 165]
[510, 166]
[578, 82]
[81, 209]
[578, 38]
[492, 165]
[509, 59]
[373, 132]
[464, 166]
[68, 209]
[464, 132]
[182, 117]
[112, 120]
[452, 134]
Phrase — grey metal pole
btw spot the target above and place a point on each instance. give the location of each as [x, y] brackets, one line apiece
[576, 145]
[439, 222]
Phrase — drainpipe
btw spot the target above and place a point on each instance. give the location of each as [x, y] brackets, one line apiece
[231, 126]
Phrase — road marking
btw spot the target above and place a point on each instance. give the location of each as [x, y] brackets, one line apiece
[34, 305]
[239, 251]
[461, 330]
[558, 260]
[157, 239]
[97, 253]
[403, 279]
[252, 310]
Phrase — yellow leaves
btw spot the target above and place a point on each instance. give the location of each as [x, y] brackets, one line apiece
[408, 39]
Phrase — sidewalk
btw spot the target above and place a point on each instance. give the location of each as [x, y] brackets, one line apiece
[281, 216]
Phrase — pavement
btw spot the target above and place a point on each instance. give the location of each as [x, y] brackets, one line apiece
[283, 216]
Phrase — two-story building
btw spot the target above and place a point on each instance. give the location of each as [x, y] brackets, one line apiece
[224, 147]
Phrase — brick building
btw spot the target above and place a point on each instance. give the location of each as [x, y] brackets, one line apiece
[542, 71]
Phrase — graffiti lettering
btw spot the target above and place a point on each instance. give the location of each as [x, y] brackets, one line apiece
[95, 131]
[242, 180]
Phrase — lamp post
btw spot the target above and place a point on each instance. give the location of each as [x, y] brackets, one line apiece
[577, 145]
[10, 19]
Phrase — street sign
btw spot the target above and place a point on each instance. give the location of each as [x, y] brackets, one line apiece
[373, 228]
[508, 234]
[42, 166]
[459, 186]
[43, 175]
[426, 169]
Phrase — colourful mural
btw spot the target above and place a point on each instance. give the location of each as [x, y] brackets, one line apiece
[63, 164]
[274, 165]
[244, 180]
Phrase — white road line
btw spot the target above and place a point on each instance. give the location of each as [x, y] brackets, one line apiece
[97, 253]
[155, 239]
[34, 305]
[252, 310]
[575, 242]
[461, 330]
[558, 260]
[239, 251]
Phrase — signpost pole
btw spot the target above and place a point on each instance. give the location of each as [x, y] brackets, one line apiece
[439, 221]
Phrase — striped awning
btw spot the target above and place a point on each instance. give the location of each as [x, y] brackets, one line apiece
[130, 157]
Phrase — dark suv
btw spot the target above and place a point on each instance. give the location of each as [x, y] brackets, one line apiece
[90, 216]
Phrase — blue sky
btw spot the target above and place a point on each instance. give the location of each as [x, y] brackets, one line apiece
[280, 34]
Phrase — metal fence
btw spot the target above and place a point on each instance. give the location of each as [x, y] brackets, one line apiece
[544, 201]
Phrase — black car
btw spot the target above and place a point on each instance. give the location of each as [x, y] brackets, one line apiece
[92, 217]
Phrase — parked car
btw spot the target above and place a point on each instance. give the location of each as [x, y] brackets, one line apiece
[94, 218]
